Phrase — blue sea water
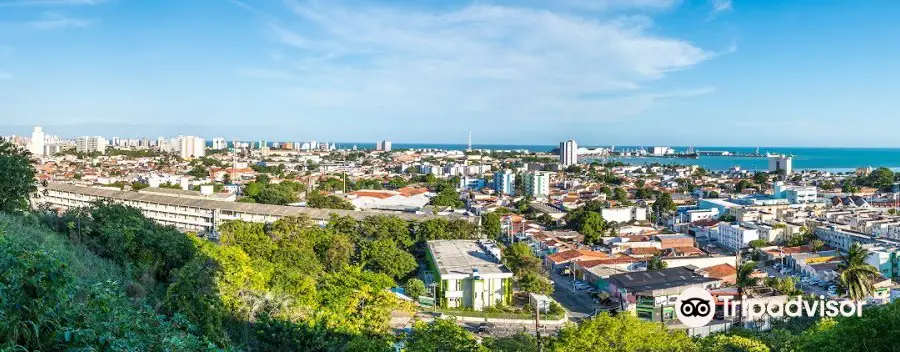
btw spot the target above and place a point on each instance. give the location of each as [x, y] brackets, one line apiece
[824, 159]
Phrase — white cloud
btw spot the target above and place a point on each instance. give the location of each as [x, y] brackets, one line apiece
[721, 5]
[606, 5]
[480, 60]
[52, 20]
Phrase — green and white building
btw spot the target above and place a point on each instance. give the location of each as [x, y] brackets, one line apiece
[469, 274]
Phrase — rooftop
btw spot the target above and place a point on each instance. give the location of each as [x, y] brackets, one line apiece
[464, 257]
[186, 193]
[642, 281]
[247, 208]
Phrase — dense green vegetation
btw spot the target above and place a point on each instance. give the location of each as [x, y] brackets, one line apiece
[289, 285]
[264, 192]
[16, 178]
[323, 201]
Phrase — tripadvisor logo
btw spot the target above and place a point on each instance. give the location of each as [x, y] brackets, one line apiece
[695, 308]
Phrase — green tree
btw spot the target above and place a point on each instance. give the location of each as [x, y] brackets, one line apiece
[490, 225]
[415, 288]
[447, 198]
[620, 195]
[624, 332]
[17, 182]
[761, 178]
[520, 342]
[726, 343]
[857, 277]
[317, 200]
[533, 282]
[663, 205]
[198, 171]
[745, 279]
[742, 185]
[881, 178]
[519, 258]
[758, 243]
[440, 335]
[656, 263]
[816, 245]
[384, 256]
[591, 225]
[848, 186]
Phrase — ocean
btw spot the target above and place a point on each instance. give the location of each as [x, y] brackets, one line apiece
[823, 159]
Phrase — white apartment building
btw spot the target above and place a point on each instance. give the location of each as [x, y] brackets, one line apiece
[568, 153]
[537, 184]
[624, 214]
[384, 145]
[219, 143]
[90, 144]
[191, 147]
[781, 162]
[36, 146]
[795, 194]
[842, 238]
[735, 236]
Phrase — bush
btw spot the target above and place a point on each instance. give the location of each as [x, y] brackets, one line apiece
[415, 288]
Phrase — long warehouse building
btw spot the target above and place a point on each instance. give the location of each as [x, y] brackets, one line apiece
[190, 214]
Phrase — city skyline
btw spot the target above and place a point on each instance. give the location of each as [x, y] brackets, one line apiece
[654, 72]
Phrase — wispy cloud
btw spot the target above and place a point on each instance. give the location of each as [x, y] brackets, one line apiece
[50, 2]
[527, 62]
[52, 20]
[608, 5]
[720, 6]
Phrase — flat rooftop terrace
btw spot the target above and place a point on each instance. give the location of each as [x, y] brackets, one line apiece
[462, 257]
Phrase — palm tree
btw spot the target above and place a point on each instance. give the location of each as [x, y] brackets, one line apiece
[857, 277]
[744, 280]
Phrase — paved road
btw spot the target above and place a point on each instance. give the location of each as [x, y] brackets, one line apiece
[498, 329]
[578, 302]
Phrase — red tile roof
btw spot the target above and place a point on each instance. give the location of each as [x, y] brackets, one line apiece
[572, 254]
[412, 191]
[720, 271]
[373, 194]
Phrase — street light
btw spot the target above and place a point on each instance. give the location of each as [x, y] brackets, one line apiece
[434, 296]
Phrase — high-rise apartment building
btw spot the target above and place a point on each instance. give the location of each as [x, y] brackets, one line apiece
[37, 141]
[781, 163]
[191, 147]
[90, 144]
[219, 143]
[537, 184]
[505, 182]
[568, 153]
[384, 145]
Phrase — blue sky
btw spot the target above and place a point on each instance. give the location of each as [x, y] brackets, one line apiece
[623, 72]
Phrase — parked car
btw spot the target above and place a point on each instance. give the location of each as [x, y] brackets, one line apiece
[485, 328]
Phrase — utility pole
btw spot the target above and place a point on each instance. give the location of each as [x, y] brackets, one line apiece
[537, 327]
